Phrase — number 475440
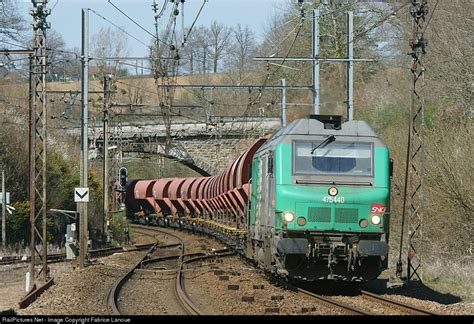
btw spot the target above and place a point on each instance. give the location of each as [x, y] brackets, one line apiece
[337, 200]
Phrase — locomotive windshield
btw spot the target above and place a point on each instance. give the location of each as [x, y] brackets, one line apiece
[334, 158]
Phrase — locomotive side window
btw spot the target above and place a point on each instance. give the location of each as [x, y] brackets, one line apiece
[270, 163]
[334, 158]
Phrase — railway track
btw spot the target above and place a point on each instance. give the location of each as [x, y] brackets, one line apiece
[349, 309]
[7, 260]
[409, 309]
[59, 257]
[349, 306]
[183, 299]
[346, 307]
[331, 303]
[115, 290]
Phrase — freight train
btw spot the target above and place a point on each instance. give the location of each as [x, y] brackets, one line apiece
[312, 202]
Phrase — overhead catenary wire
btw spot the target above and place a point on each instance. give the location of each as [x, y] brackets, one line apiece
[187, 90]
[136, 23]
[195, 19]
[300, 26]
[12, 44]
[431, 16]
[54, 6]
[119, 28]
[380, 22]
[173, 33]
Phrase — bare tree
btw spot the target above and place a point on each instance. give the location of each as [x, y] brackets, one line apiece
[12, 28]
[56, 55]
[450, 61]
[198, 49]
[72, 65]
[108, 43]
[12, 24]
[242, 49]
[220, 42]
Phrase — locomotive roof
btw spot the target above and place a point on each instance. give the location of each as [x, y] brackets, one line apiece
[309, 126]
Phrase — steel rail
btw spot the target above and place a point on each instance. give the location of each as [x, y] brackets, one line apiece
[185, 301]
[169, 257]
[390, 302]
[58, 257]
[112, 296]
[333, 303]
[183, 298]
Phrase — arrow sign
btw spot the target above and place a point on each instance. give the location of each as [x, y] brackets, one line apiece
[7, 194]
[10, 208]
[81, 194]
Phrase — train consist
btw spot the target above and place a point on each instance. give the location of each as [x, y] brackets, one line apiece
[310, 203]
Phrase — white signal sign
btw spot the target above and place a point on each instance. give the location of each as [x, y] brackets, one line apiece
[81, 194]
[7, 194]
[10, 208]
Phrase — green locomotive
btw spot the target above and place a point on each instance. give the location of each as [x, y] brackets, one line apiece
[320, 201]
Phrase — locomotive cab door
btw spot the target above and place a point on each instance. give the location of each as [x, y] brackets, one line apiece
[268, 214]
[266, 196]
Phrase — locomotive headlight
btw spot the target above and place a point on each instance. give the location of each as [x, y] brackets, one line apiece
[363, 223]
[301, 221]
[332, 191]
[289, 217]
[375, 219]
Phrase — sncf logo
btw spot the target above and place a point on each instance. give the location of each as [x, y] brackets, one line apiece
[377, 208]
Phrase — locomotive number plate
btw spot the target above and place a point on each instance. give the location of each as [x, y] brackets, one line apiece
[336, 200]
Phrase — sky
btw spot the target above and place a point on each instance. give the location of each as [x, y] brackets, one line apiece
[66, 16]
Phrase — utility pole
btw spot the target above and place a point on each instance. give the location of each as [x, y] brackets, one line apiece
[83, 237]
[419, 11]
[156, 58]
[283, 102]
[4, 212]
[157, 16]
[211, 109]
[38, 140]
[182, 22]
[315, 59]
[350, 66]
[206, 109]
[105, 171]
[315, 56]
[414, 171]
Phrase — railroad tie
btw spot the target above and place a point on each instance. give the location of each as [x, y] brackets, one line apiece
[272, 310]
[277, 297]
[307, 309]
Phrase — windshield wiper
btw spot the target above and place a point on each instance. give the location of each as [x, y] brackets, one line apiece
[328, 140]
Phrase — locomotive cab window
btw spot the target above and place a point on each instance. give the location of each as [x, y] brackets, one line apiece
[334, 158]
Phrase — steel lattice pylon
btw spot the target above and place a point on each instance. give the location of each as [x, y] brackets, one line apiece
[38, 140]
[419, 11]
